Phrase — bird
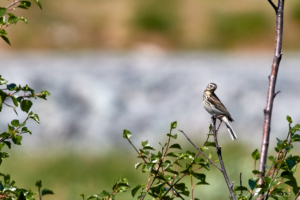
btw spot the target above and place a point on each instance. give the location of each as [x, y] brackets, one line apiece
[215, 107]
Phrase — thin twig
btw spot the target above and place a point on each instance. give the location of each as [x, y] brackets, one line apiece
[297, 195]
[192, 186]
[273, 5]
[12, 4]
[212, 162]
[136, 150]
[219, 153]
[276, 94]
[241, 182]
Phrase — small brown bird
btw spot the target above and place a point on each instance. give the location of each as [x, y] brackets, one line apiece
[214, 106]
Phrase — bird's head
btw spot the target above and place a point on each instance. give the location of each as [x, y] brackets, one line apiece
[211, 87]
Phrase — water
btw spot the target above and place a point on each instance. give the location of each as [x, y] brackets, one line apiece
[95, 95]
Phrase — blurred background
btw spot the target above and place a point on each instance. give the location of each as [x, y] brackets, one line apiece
[139, 65]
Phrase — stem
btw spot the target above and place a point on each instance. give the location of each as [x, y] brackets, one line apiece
[192, 186]
[212, 162]
[219, 152]
[40, 195]
[241, 182]
[136, 150]
[297, 195]
[271, 89]
[12, 4]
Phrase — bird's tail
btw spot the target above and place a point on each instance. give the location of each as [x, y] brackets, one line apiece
[229, 128]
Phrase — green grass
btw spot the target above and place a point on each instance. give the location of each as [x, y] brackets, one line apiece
[233, 28]
[73, 173]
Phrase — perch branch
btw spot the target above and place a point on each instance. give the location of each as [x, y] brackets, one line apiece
[219, 152]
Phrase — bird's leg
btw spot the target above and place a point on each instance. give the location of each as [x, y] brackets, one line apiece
[218, 117]
[219, 126]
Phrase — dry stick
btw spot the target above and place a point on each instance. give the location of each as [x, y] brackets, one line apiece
[219, 152]
[271, 89]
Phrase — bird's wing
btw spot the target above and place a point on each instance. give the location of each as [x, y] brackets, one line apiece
[213, 99]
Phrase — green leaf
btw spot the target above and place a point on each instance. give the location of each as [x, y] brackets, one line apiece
[289, 119]
[171, 171]
[25, 130]
[26, 4]
[175, 146]
[21, 196]
[255, 154]
[252, 182]
[2, 81]
[294, 185]
[12, 18]
[144, 143]
[1, 145]
[5, 39]
[296, 138]
[204, 148]
[3, 32]
[24, 20]
[17, 139]
[239, 188]
[93, 197]
[5, 134]
[173, 125]
[296, 127]
[43, 94]
[135, 190]
[172, 154]
[26, 105]
[35, 117]
[15, 101]
[137, 165]
[288, 175]
[38, 184]
[23, 7]
[200, 177]
[256, 172]
[290, 163]
[38, 3]
[127, 134]
[172, 136]
[210, 144]
[10, 129]
[272, 158]
[3, 21]
[180, 186]
[210, 127]
[47, 191]
[9, 144]
[12, 87]
[15, 123]
[2, 11]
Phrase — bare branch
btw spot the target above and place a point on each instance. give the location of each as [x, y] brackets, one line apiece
[12, 4]
[276, 94]
[212, 162]
[219, 153]
[273, 5]
[271, 90]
